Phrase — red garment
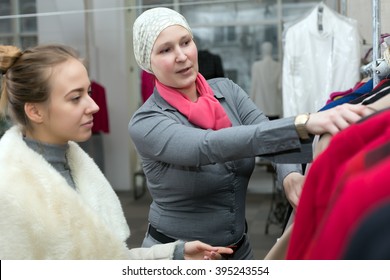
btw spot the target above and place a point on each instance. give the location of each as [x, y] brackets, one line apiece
[206, 112]
[324, 175]
[147, 85]
[100, 119]
[360, 196]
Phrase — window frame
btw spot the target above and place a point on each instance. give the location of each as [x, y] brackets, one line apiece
[16, 35]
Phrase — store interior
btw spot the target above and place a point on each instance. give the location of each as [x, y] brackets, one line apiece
[241, 33]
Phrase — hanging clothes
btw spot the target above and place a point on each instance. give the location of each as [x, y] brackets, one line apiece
[266, 85]
[367, 185]
[147, 85]
[330, 170]
[321, 55]
[361, 90]
[100, 119]
[210, 65]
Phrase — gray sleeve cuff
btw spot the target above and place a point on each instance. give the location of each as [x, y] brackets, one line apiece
[282, 170]
[302, 155]
[178, 254]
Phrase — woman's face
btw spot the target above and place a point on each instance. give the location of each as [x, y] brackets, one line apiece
[68, 115]
[174, 58]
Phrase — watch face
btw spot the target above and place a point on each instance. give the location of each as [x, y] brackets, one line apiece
[302, 119]
[300, 122]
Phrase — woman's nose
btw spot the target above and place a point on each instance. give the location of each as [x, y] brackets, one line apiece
[92, 106]
[180, 55]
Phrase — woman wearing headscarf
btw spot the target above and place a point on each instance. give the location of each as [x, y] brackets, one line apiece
[198, 140]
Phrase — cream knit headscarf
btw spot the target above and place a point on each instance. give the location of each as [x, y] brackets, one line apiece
[146, 29]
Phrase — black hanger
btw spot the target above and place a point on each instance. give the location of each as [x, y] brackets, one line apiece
[319, 18]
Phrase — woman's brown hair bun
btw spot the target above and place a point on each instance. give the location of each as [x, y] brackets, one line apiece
[8, 56]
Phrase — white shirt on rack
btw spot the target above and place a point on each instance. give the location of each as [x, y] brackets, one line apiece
[317, 63]
[266, 86]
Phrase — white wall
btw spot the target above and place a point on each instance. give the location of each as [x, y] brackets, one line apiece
[361, 10]
[110, 66]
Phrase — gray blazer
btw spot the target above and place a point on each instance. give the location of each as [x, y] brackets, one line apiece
[198, 178]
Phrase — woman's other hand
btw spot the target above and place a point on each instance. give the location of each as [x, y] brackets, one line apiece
[293, 184]
[197, 250]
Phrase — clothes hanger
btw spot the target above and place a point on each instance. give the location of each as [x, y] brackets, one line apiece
[320, 13]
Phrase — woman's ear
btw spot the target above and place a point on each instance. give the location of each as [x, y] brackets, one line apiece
[33, 112]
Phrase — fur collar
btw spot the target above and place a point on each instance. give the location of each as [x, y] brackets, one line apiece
[38, 209]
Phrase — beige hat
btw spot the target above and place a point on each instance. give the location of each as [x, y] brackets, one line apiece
[146, 29]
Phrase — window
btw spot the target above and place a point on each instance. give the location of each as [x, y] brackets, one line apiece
[18, 23]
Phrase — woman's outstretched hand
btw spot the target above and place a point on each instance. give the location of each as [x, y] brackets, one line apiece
[336, 119]
[197, 250]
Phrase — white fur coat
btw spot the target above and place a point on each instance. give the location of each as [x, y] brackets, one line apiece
[42, 217]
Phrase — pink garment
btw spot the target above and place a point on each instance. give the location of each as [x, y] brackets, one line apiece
[338, 94]
[206, 112]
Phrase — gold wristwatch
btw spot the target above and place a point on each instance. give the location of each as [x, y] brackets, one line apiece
[300, 125]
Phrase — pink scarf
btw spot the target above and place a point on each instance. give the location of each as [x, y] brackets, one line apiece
[206, 112]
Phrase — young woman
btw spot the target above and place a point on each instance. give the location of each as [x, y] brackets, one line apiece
[198, 140]
[54, 201]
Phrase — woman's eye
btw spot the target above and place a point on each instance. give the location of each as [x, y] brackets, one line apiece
[165, 50]
[75, 98]
[90, 92]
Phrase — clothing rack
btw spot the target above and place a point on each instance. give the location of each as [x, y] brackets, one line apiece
[343, 7]
[371, 69]
[376, 32]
